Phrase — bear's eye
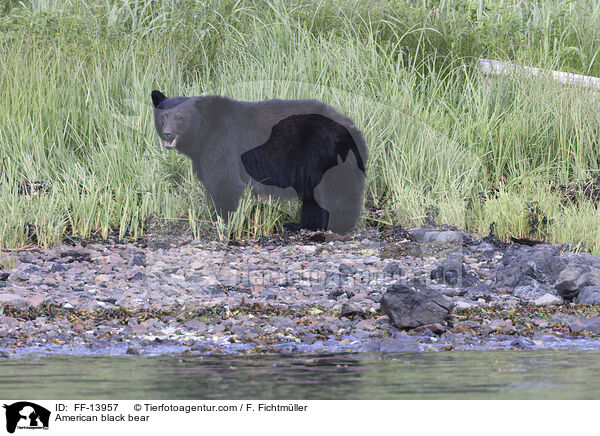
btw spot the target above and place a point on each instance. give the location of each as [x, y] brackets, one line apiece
[179, 116]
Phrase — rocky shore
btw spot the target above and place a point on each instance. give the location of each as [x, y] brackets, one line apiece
[387, 290]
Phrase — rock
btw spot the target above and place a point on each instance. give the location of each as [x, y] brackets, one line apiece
[134, 350]
[309, 338]
[137, 276]
[371, 260]
[534, 291]
[575, 277]
[139, 259]
[8, 321]
[346, 269]
[102, 278]
[365, 324]
[58, 267]
[391, 345]
[135, 329]
[392, 269]
[351, 309]
[426, 235]
[578, 323]
[408, 307]
[12, 299]
[547, 300]
[35, 300]
[478, 291]
[529, 266]
[451, 271]
[77, 254]
[588, 295]
[522, 343]
[436, 328]
[502, 326]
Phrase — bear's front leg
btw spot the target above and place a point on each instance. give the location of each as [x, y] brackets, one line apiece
[225, 198]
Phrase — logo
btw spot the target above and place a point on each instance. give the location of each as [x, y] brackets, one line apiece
[26, 415]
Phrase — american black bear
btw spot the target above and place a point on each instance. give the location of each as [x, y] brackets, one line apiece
[284, 148]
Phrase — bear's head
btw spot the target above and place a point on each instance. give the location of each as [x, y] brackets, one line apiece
[173, 119]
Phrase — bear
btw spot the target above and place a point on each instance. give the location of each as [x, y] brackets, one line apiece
[287, 149]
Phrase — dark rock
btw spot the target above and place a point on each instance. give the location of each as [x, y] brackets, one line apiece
[522, 343]
[347, 269]
[408, 307]
[269, 294]
[58, 267]
[529, 266]
[137, 276]
[451, 271]
[76, 255]
[134, 350]
[139, 259]
[393, 270]
[336, 293]
[589, 295]
[478, 291]
[434, 329]
[4, 276]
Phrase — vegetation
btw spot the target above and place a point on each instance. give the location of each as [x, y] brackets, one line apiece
[79, 155]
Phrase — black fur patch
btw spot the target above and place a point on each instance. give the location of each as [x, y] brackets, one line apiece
[162, 102]
[300, 150]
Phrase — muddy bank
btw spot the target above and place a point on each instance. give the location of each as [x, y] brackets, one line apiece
[299, 293]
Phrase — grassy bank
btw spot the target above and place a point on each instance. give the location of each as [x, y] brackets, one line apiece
[445, 142]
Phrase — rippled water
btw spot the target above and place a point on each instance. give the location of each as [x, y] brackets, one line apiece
[541, 374]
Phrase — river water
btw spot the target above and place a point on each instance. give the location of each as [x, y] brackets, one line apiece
[536, 374]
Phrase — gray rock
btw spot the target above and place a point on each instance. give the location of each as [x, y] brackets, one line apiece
[391, 345]
[408, 307]
[529, 266]
[351, 309]
[547, 300]
[534, 291]
[428, 235]
[578, 323]
[575, 277]
[589, 295]
[12, 299]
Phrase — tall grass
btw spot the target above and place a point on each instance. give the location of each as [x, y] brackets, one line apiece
[76, 112]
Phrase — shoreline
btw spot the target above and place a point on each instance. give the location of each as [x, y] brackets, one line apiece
[296, 293]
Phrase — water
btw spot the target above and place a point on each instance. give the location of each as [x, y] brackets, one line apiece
[539, 374]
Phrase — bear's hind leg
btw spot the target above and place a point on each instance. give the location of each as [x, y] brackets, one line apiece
[313, 216]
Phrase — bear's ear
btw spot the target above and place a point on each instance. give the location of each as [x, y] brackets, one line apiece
[157, 97]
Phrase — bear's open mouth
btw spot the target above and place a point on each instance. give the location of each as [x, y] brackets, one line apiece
[171, 144]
